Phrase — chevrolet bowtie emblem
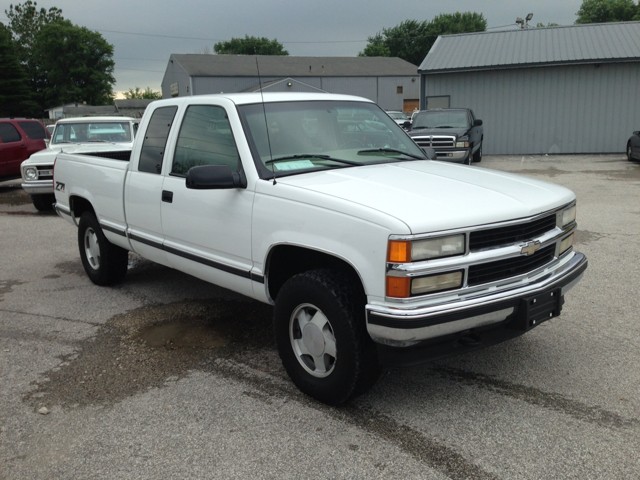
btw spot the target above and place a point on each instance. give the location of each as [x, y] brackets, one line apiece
[530, 248]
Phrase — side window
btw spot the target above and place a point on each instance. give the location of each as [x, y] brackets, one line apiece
[9, 133]
[155, 139]
[205, 139]
[34, 130]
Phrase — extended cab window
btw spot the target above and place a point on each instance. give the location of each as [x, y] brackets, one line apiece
[9, 133]
[205, 139]
[155, 139]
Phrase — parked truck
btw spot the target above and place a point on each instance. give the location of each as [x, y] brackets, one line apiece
[371, 253]
[81, 134]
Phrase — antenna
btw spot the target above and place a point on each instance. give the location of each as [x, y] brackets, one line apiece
[266, 124]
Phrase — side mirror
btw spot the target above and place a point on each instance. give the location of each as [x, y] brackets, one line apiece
[636, 133]
[406, 125]
[430, 153]
[214, 177]
[477, 122]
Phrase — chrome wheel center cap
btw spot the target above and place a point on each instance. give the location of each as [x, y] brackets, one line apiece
[313, 339]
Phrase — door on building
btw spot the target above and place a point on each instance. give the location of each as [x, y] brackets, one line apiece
[410, 105]
[438, 102]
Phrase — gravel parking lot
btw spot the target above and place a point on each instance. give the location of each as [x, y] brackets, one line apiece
[165, 376]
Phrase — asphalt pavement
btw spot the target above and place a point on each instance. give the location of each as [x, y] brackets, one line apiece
[165, 376]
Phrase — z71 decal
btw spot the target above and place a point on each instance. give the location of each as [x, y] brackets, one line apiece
[60, 187]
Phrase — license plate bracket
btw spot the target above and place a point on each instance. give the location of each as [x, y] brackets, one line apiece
[536, 309]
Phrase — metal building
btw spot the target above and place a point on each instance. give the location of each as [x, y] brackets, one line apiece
[390, 82]
[541, 90]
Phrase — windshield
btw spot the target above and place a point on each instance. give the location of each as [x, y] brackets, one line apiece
[306, 136]
[116, 132]
[436, 119]
[397, 115]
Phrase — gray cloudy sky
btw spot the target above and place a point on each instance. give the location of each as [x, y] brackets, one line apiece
[144, 33]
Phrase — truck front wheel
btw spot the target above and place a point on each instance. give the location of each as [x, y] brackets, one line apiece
[43, 201]
[321, 336]
[104, 262]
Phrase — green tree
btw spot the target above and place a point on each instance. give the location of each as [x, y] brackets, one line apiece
[146, 94]
[411, 40]
[15, 94]
[73, 64]
[25, 21]
[603, 11]
[250, 46]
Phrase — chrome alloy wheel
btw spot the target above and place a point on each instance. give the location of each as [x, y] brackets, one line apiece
[312, 340]
[92, 248]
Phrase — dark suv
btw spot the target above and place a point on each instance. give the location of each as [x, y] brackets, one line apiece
[19, 138]
[454, 133]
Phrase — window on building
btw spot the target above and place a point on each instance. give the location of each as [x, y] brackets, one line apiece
[399, 89]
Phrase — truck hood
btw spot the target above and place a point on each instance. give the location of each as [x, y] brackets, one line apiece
[430, 196]
[425, 132]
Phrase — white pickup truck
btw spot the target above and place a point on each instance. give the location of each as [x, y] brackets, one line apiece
[371, 254]
[75, 135]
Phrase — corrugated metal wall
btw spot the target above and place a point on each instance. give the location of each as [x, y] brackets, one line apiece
[382, 90]
[566, 109]
[175, 74]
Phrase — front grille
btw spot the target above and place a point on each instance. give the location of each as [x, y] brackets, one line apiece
[435, 141]
[45, 173]
[511, 267]
[496, 237]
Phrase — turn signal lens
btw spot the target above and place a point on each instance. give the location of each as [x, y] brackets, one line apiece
[399, 251]
[399, 287]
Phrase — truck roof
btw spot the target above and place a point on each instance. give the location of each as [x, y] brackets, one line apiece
[97, 119]
[255, 97]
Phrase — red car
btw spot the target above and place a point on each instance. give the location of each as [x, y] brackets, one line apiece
[19, 138]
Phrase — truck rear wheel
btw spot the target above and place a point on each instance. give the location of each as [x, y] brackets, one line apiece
[321, 336]
[43, 202]
[104, 262]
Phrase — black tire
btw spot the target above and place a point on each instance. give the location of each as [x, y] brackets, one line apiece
[344, 351]
[43, 202]
[477, 157]
[629, 156]
[104, 262]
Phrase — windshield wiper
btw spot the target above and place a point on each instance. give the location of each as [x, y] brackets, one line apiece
[390, 150]
[444, 126]
[314, 155]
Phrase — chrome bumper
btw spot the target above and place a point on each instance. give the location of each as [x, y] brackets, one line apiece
[454, 156]
[406, 327]
[38, 187]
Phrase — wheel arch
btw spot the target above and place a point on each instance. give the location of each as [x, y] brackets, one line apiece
[284, 261]
[79, 205]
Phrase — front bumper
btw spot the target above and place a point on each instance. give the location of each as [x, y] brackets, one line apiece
[406, 327]
[458, 155]
[36, 187]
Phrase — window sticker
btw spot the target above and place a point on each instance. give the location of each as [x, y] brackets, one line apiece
[296, 165]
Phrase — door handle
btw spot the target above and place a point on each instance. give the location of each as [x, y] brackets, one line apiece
[167, 196]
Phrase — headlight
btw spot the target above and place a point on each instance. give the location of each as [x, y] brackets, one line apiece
[568, 216]
[405, 287]
[439, 247]
[462, 144]
[566, 244]
[31, 173]
[436, 283]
